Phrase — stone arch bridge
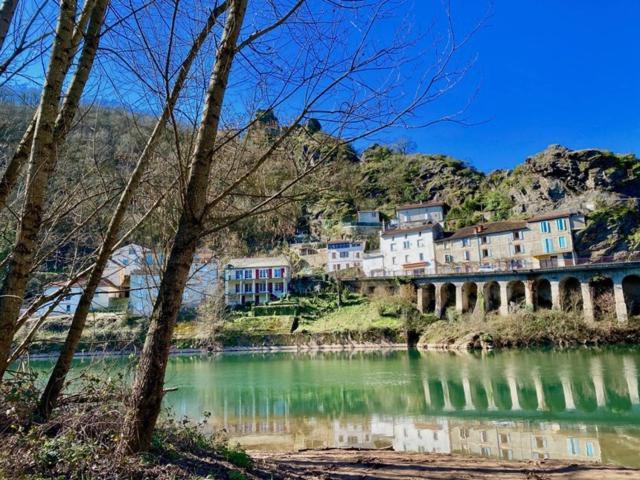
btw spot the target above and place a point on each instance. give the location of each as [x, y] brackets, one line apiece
[596, 290]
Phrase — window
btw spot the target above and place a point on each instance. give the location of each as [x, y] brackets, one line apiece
[406, 259]
[561, 224]
[238, 274]
[357, 254]
[504, 438]
[519, 235]
[248, 274]
[486, 253]
[548, 245]
[277, 273]
[483, 436]
[467, 255]
[464, 433]
[406, 244]
[344, 254]
[562, 242]
[448, 259]
[264, 273]
[393, 260]
[541, 442]
[278, 287]
[247, 288]
[507, 453]
[262, 287]
[237, 288]
[466, 242]
[393, 247]
[484, 240]
[435, 436]
[573, 446]
[421, 257]
[420, 243]
[486, 451]
[589, 449]
[333, 255]
[545, 227]
[68, 307]
[518, 249]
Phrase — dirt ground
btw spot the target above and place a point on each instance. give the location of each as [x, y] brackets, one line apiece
[390, 465]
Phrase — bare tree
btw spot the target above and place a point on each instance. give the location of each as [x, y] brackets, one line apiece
[63, 364]
[6, 16]
[216, 194]
[51, 128]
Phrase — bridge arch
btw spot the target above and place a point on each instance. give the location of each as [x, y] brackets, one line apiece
[428, 293]
[515, 294]
[631, 291]
[491, 296]
[571, 295]
[469, 296]
[447, 296]
[542, 296]
[603, 297]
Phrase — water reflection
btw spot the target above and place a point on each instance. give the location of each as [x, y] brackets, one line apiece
[581, 405]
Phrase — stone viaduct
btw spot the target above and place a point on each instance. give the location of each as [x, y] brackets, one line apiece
[596, 290]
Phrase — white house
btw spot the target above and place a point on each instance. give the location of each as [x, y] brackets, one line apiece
[256, 280]
[344, 254]
[123, 262]
[373, 263]
[410, 250]
[413, 214]
[69, 303]
[145, 282]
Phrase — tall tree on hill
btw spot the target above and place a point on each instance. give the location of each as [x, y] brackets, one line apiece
[216, 193]
[49, 132]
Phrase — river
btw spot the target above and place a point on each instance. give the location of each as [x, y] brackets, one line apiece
[580, 405]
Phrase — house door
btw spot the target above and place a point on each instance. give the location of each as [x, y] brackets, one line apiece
[257, 299]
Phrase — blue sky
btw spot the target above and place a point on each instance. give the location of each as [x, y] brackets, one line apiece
[547, 71]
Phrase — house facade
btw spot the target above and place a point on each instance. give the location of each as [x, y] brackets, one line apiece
[256, 280]
[552, 238]
[344, 255]
[410, 250]
[201, 284]
[373, 263]
[413, 214]
[489, 246]
[69, 303]
[539, 242]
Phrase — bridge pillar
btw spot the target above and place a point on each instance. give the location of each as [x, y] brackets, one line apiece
[621, 305]
[481, 302]
[438, 291]
[587, 301]
[504, 299]
[528, 293]
[459, 297]
[421, 301]
[555, 294]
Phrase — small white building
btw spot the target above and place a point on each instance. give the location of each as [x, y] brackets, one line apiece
[368, 217]
[373, 263]
[123, 262]
[256, 280]
[410, 250]
[201, 284]
[413, 214]
[344, 255]
[69, 303]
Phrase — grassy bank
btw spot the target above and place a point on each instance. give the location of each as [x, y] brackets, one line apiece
[527, 329]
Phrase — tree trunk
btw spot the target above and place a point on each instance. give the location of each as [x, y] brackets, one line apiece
[57, 378]
[146, 398]
[41, 164]
[6, 15]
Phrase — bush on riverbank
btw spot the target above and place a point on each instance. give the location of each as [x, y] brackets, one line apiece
[80, 440]
[528, 329]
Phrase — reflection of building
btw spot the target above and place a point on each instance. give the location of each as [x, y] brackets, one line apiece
[352, 435]
[518, 441]
[429, 435]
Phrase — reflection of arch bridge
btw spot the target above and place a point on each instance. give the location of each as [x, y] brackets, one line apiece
[597, 290]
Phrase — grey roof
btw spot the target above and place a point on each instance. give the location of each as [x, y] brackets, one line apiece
[258, 262]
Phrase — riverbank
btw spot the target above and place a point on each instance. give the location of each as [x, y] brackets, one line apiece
[388, 465]
[321, 323]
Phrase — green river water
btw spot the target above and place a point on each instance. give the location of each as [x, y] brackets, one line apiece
[581, 405]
